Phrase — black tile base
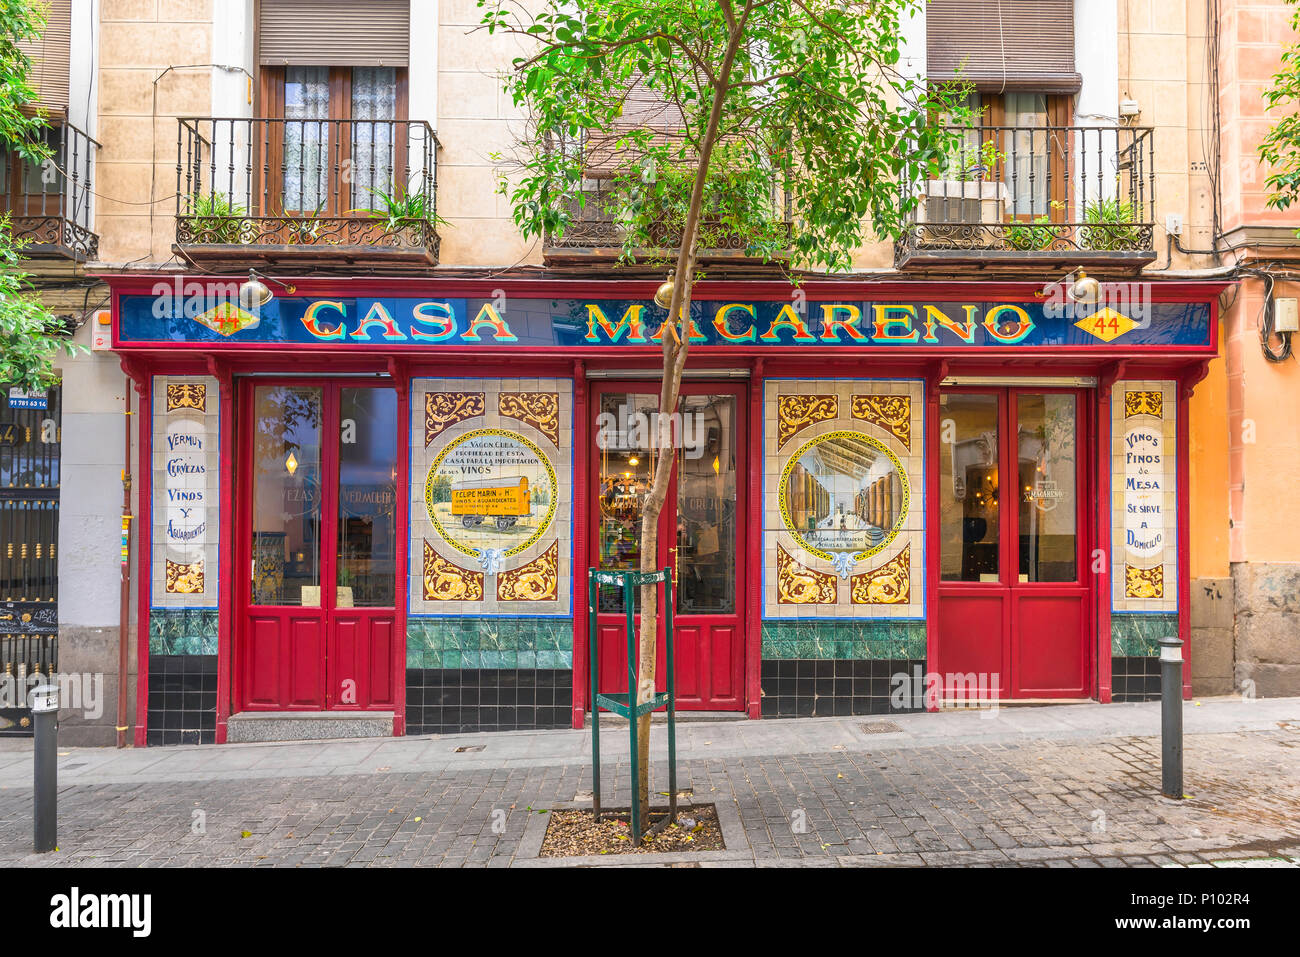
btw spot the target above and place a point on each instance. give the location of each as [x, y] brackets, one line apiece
[182, 705]
[1134, 679]
[806, 687]
[457, 700]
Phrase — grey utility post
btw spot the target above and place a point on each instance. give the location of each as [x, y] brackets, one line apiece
[1171, 718]
[45, 722]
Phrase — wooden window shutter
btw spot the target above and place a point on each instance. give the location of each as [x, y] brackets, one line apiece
[334, 33]
[643, 108]
[51, 56]
[1002, 44]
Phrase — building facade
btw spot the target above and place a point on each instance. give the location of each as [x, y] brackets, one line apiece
[368, 489]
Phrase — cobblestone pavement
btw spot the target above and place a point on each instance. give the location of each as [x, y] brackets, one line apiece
[1084, 803]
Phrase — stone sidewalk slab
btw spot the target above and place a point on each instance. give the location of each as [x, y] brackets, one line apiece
[710, 739]
[1062, 801]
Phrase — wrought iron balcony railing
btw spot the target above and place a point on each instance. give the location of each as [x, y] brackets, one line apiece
[595, 228]
[598, 217]
[250, 188]
[1032, 194]
[49, 204]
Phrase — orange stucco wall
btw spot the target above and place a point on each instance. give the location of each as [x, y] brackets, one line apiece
[1264, 437]
[1208, 472]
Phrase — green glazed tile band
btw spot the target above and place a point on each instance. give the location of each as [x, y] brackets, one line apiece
[1137, 636]
[879, 638]
[489, 642]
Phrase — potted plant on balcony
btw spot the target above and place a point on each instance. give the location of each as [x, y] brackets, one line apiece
[1034, 236]
[733, 191]
[303, 229]
[214, 218]
[396, 217]
[1110, 225]
[963, 200]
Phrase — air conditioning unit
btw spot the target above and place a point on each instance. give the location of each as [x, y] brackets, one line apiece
[951, 211]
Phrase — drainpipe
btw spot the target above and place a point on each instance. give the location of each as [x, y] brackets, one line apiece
[124, 619]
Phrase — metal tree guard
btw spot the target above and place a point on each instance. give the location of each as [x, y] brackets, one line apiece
[625, 704]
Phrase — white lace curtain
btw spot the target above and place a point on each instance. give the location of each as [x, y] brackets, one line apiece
[312, 172]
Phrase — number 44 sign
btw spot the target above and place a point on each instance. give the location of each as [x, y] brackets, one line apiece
[1107, 324]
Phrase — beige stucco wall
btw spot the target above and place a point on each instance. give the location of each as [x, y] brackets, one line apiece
[476, 119]
[1161, 49]
[1162, 55]
[1264, 431]
[138, 40]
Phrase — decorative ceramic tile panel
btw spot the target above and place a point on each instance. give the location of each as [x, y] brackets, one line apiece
[1144, 496]
[491, 496]
[843, 499]
[186, 491]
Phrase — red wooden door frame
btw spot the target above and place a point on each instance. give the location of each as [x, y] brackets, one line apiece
[1008, 590]
[738, 619]
[326, 613]
[1081, 589]
[711, 625]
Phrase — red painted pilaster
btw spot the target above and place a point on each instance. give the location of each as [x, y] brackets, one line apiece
[934, 376]
[582, 501]
[1103, 582]
[754, 586]
[400, 374]
[225, 547]
[144, 539]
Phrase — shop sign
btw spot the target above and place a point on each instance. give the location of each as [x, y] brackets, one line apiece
[1144, 493]
[504, 323]
[28, 398]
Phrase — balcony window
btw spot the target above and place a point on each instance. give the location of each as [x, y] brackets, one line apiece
[330, 170]
[48, 203]
[1023, 184]
[358, 104]
[1025, 170]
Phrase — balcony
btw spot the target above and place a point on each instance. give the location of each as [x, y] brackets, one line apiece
[324, 194]
[49, 206]
[1027, 198]
[598, 225]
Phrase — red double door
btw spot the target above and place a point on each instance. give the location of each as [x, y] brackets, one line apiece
[1013, 512]
[702, 533]
[317, 547]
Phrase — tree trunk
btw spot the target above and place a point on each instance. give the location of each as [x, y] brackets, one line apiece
[675, 349]
[652, 507]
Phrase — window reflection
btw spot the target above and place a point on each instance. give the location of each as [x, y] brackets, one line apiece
[626, 470]
[1048, 510]
[286, 496]
[367, 540]
[969, 497]
[706, 506]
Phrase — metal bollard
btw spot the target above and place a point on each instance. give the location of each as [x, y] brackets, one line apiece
[45, 800]
[1171, 718]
